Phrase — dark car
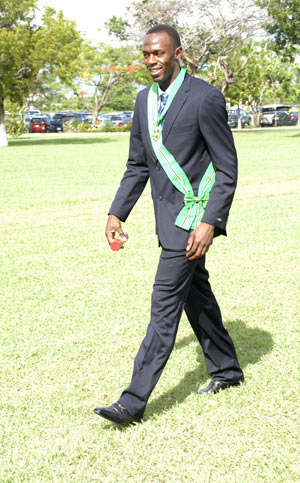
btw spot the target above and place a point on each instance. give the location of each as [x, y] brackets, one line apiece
[39, 124]
[278, 115]
[233, 118]
[62, 117]
[59, 119]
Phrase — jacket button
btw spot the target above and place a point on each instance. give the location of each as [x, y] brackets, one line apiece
[157, 167]
[160, 198]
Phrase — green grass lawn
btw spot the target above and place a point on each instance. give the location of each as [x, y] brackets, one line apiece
[73, 314]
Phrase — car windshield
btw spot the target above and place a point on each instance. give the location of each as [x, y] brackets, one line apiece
[283, 108]
[62, 114]
[275, 108]
[38, 119]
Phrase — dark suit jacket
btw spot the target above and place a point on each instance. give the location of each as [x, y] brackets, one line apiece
[195, 131]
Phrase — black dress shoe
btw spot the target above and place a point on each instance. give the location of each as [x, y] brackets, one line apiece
[215, 386]
[117, 414]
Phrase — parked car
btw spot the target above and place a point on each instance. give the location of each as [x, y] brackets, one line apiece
[112, 119]
[39, 124]
[104, 117]
[233, 117]
[59, 119]
[27, 120]
[278, 115]
[63, 115]
[31, 113]
[127, 113]
[84, 115]
[126, 118]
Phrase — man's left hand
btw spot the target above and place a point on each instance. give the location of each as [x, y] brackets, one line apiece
[199, 241]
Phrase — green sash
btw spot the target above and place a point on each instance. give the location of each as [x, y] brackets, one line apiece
[191, 214]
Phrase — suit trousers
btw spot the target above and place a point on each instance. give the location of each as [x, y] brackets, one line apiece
[180, 284]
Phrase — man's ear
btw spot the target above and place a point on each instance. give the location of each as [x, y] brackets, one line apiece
[178, 52]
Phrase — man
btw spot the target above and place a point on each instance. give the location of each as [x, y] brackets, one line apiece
[181, 140]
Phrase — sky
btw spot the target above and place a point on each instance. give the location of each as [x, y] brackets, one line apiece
[90, 15]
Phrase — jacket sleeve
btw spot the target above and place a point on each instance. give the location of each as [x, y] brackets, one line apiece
[136, 175]
[220, 147]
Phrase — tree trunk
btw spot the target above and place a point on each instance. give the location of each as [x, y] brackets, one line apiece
[254, 106]
[239, 117]
[3, 137]
[95, 113]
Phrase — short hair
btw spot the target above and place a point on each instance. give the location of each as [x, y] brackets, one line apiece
[171, 31]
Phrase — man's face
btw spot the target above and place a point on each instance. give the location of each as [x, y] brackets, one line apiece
[160, 56]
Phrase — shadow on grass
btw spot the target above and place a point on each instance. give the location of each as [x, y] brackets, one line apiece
[61, 140]
[251, 345]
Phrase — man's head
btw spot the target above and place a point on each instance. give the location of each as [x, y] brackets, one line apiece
[162, 49]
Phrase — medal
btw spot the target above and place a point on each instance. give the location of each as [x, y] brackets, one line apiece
[156, 133]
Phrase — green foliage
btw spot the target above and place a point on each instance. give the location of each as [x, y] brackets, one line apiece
[76, 126]
[14, 123]
[55, 96]
[31, 55]
[85, 127]
[109, 70]
[122, 99]
[110, 128]
[261, 76]
[285, 25]
[118, 27]
[13, 13]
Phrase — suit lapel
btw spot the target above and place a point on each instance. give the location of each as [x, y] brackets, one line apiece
[144, 121]
[176, 106]
[172, 113]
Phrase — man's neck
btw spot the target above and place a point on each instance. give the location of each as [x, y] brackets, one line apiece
[166, 84]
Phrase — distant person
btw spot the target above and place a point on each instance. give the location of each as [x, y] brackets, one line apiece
[181, 141]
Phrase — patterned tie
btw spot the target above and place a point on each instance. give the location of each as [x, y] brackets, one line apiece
[163, 100]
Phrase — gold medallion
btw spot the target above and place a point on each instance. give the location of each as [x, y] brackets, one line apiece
[156, 134]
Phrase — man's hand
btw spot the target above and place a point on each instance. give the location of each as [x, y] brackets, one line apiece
[199, 241]
[113, 228]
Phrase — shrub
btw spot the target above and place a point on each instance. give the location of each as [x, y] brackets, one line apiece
[14, 122]
[82, 127]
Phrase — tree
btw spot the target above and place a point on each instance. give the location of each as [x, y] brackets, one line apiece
[107, 69]
[118, 27]
[284, 25]
[54, 96]
[122, 99]
[210, 30]
[32, 54]
[261, 77]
